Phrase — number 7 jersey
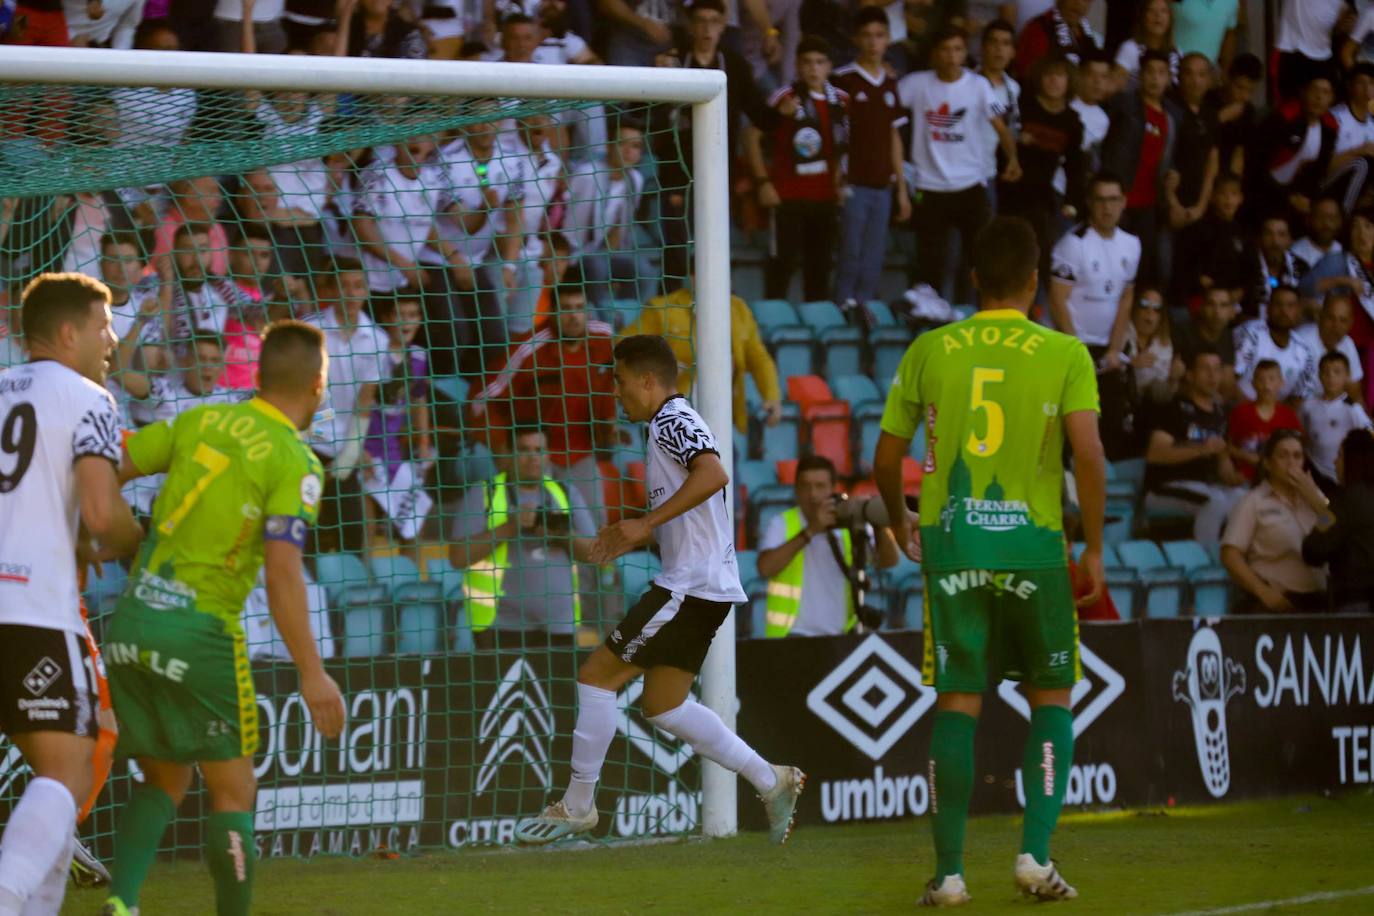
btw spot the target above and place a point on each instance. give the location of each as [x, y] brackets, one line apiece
[50, 417]
[992, 392]
[236, 474]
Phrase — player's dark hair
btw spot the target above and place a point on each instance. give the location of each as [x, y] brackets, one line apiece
[1357, 452]
[716, 6]
[517, 19]
[818, 462]
[996, 25]
[52, 300]
[204, 337]
[1196, 55]
[1266, 364]
[1049, 63]
[870, 15]
[292, 355]
[1336, 295]
[947, 33]
[571, 286]
[1156, 56]
[1285, 288]
[526, 429]
[649, 353]
[1246, 66]
[338, 266]
[1227, 178]
[813, 44]
[1363, 68]
[386, 307]
[1005, 256]
[1094, 55]
[1105, 177]
[250, 229]
[472, 48]
[1333, 356]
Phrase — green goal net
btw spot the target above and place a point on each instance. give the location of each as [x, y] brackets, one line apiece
[471, 261]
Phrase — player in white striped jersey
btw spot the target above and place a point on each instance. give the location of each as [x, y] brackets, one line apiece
[666, 634]
[59, 454]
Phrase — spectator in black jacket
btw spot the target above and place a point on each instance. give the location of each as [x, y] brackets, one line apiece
[1271, 264]
[1051, 137]
[1292, 152]
[1140, 148]
[672, 124]
[1236, 116]
[1211, 252]
[1344, 537]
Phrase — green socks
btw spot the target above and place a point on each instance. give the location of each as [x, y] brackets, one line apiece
[1044, 776]
[137, 837]
[229, 850]
[951, 786]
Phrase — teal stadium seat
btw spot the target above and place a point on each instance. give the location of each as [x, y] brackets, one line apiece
[420, 613]
[1187, 555]
[889, 345]
[821, 315]
[882, 313]
[774, 313]
[366, 612]
[1211, 590]
[843, 349]
[393, 571]
[779, 443]
[794, 350]
[757, 590]
[336, 572]
[637, 570]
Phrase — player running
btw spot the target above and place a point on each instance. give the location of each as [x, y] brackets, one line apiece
[59, 450]
[997, 394]
[242, 486]
[666, 634]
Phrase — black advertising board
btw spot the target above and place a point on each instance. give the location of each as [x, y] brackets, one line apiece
[449, 751]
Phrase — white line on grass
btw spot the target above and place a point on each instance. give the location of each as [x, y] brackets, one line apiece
[1320, 897]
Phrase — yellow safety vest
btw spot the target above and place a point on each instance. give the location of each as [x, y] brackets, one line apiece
[482, 580]
[785, 590]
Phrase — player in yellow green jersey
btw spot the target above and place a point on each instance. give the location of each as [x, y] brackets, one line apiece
[997, 394]
[241, 488]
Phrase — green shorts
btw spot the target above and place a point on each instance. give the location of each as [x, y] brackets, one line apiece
[181, 685]
[1020, 625]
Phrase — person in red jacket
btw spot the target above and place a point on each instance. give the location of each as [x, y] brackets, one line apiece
[1063, 29]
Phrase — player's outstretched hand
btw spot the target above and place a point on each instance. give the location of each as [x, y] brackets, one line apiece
[619, 539]
[326, 703]
[1091, 564]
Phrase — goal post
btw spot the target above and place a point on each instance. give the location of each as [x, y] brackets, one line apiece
[702, 90]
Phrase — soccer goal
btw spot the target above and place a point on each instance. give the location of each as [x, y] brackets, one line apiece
[480, 202]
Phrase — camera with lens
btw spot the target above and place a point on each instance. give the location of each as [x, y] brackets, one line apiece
[855, 513]
[553, 522]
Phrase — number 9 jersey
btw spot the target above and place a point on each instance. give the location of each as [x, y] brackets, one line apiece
[992, 392]
[50, 417]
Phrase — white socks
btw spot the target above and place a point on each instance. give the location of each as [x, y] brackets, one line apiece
[596, 712]
[38, 836]
[47, 900]
[702, 729]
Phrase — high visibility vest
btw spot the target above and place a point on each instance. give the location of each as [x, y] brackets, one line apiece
[785, 590]
[483, 580]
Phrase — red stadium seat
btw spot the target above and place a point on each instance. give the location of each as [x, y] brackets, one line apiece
[787, 471]
[807, 390]
[828, 432]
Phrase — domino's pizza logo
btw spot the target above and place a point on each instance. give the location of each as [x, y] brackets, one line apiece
[42, 676]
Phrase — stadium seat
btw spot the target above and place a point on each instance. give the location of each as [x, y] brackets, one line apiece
[449, 579]
[755, 474]
[629, 445]
[1123, 586]
[889, 345]
[365, 611]
[843, 349]
[774, 313]
[624, 312]
[806, 390]
[1141, 555]
[1119, 521]
[793, 349]
[1132, 469]
[882, 313]
[478, 464]
[911, 476]
[753, 400]
[828, 432]
[1119, 488]
[821, 315]
[1166, 591]
[393, 571]
[854, 388]
[336, 571]
[787, 472]
[1211, 590]
[963, 311]
[748, 564]
[912, 589]
[868, 423]
[1186, 555]
[637, 570]
[863, 489]
[757, 590]
[462, 642]
[1109, 557]
[419, 618]
[765, 503]
[780, 441]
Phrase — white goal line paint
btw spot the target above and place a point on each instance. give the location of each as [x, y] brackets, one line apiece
[1320, 897]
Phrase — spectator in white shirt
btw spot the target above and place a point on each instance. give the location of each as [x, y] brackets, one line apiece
[1272, 337]
[393, 215]
[1349, 173]
[1331, 331]
[602, 207]
[1325, 225]
[1328, 417]
[150, 116]
[526, 151]
[232, 18]
[1304, 41]
[113, 27]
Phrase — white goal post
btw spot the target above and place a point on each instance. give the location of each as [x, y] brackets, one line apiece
[704, 90]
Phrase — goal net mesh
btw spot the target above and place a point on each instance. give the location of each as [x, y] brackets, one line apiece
[472, 261]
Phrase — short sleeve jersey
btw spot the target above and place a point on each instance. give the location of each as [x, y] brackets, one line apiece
[50, 418]
[993, 392]
[946, 118]
[1099, 269]
[698, 547]
[236, 474]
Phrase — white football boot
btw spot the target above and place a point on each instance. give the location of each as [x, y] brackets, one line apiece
[780, 802]
[556, 823]
[949, 892]
[1041, 881]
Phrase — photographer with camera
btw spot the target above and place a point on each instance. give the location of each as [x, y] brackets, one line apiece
[518, 541]
[813, 557]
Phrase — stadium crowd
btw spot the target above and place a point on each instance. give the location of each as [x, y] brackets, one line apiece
[1215, 253]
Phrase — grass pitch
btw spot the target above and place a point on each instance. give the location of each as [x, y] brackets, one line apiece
[1174, 861]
